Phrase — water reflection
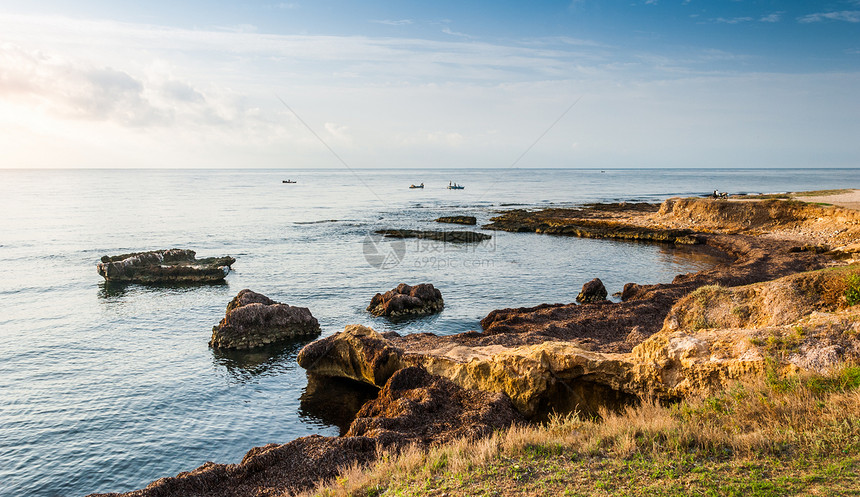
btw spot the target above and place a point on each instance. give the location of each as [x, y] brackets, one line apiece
[698, 257]
[333, 401]
[108, 290]
[111, 289]
[244, 366]
[408, 321]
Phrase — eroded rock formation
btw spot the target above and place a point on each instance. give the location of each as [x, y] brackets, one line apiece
[253, 320]
[164, 267]
[407, 300]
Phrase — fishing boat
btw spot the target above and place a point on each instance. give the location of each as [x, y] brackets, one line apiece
[417, 186]
[455, 186]
[287, 181]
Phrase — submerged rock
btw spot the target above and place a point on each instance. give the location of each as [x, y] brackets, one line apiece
[468, 220]
[593, 291]
[442, 236]
[253, 320]
[407, 300]
[164, 266]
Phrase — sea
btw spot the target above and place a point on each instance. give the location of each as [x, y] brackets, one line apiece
[105, 388]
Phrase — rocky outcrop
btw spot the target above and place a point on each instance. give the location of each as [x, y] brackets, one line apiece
[441, 236]
[174, 266]
[468, 220]
[592, 291]
[407, 300]
[253, 320]
[413, 407]
[588, 223]
[417, 407]
[357, 353]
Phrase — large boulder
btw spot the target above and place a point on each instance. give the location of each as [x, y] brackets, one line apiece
[164, 267]
[407, 300]
[357, 353]
[593, 291]
[253, 320]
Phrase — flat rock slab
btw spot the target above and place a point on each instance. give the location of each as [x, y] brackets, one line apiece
[468, 220]
[442, 236]
[164, 267]
[254, 320]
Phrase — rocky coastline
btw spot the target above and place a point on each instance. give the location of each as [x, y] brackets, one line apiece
[699, 333]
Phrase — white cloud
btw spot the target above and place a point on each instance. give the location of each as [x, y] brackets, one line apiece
[845, 15]
[732, 20]
[448, 31]
[774, 17]
[99, 92]
[397, 22]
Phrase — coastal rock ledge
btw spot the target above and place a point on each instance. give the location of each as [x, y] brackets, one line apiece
[253, 320]
[407, 300]
[164, 266]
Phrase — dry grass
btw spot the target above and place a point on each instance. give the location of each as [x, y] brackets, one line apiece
[778, 436]
[771, 303]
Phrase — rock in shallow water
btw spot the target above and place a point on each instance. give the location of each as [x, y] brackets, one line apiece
[407, 300]
[593, 291]
[469, 220]
[253, 320]
[164, 266]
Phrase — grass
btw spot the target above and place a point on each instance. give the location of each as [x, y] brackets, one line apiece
[795, 438]
[852, 289]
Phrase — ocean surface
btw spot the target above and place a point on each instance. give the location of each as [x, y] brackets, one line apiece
[106, 388]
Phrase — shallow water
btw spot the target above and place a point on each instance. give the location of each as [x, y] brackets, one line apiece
[106, 388]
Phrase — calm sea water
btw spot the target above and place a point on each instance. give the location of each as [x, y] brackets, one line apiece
[106, 389]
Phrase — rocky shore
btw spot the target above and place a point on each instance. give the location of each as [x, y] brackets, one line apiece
[779, 304]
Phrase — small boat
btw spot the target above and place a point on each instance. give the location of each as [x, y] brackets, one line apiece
[288, 181]
[455, 186]
[417, 186]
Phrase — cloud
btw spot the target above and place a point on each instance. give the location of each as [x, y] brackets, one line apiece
[207, 98]
[732, 20]
[845, 15]
[775, 17]
[338, 132]
[448, 31]
[391, 22]
[80, 90]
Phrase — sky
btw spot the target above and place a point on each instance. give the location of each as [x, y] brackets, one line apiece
[283, 84]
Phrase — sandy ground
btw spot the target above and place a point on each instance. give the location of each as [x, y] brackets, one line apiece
[851, 200]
